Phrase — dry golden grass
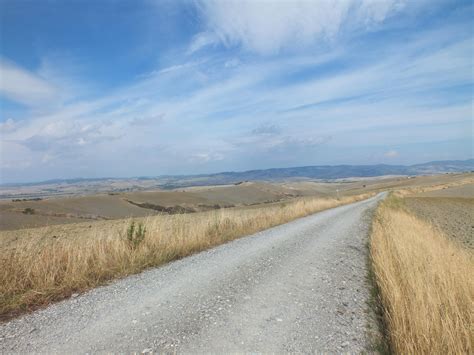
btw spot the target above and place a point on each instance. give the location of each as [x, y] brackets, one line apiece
[407, 191]
[425, 282]
[39, 269]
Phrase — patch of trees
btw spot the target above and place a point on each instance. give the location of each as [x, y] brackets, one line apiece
[170, 210]
[29, 210]
[27, 199]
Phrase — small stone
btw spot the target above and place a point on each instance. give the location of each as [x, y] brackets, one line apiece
[147, 351]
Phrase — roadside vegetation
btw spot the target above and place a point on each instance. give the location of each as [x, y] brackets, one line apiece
[37, 270]
[425, 283]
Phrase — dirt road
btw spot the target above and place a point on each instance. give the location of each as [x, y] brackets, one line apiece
[296, 287]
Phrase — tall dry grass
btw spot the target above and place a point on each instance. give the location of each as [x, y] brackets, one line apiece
[426, 284]
[40, 269]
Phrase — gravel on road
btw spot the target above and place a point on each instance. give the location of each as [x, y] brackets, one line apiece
[298, 287]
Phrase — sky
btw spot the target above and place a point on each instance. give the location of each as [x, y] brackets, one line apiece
[102, 88]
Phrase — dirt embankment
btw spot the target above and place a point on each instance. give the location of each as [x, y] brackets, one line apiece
[451, 210]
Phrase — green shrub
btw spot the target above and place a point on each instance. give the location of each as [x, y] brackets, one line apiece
[135, 234]
[29, 210]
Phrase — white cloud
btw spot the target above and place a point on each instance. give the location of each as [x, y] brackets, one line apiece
[207, 157]
[391, 154]
[202, 40]
[23, 86]
[266, 27]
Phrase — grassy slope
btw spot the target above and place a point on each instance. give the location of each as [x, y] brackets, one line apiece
[425, 282]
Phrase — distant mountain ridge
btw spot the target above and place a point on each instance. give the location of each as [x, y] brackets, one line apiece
[320, 172]
[330, 172]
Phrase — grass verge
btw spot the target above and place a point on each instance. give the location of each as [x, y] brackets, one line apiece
[425, 283]
[37, 270]
[377, 330]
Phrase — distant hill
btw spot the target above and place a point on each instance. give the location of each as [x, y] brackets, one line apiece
[319, 172]
[323, 172]
[444, 166]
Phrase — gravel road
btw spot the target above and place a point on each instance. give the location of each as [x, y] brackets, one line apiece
[298, 287]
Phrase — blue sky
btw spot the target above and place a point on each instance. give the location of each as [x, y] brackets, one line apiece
[145, 88]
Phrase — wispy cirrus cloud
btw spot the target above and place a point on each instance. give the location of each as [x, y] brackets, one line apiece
[202, 40]
[267, 27]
